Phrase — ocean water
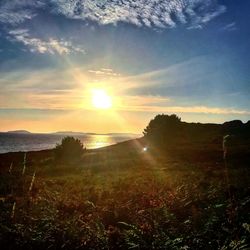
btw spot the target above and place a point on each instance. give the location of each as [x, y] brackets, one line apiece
[12, 142]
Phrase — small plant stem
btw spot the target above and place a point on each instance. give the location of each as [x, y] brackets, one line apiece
[32, 182]
[24, 164]
[10, 168]
[13, 210]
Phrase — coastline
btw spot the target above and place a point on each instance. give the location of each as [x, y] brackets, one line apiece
[38, 155]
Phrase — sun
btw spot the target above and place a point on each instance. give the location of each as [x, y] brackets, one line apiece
[100, 99]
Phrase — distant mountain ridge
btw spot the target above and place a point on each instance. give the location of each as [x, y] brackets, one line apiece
[19, 132]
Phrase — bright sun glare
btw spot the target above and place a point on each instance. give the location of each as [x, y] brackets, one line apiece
[100, 99]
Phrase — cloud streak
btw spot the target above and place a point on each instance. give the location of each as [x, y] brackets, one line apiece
[104, 72]
[188, 109]
[17, 11]
[51, 46]
[230, 27]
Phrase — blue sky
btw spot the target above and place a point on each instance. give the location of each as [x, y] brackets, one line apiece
[189, 57]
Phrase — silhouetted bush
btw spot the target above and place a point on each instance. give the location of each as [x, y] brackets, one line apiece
[164, 130]
[233, 127]
[69, 151]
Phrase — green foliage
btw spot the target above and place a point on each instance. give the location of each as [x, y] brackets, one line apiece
[69, 151]
[164, 130]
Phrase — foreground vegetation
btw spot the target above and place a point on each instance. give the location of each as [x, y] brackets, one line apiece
[123, 197]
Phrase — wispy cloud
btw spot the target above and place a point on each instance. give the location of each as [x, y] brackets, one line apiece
[169, 76]
[104, 72]
[17, 11]
[51, 46]
[158, 13]
[230, 27]
[188, 109]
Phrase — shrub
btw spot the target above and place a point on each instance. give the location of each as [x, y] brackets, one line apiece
[69, 151]
[164, 130]
[233, 127]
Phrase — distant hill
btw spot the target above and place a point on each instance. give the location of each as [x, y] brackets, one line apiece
[19, 132]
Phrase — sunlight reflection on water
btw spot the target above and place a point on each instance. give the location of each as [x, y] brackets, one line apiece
[99, 141]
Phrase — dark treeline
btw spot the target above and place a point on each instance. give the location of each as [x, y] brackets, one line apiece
[169, 130]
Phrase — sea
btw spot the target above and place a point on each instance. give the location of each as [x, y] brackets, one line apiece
[15, 142]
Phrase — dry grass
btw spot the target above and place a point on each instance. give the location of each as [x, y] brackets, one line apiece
[126, 199]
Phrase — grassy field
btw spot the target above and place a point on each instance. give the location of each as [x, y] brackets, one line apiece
[121, 197]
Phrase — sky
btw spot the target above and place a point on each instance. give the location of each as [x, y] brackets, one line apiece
[187, 57]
